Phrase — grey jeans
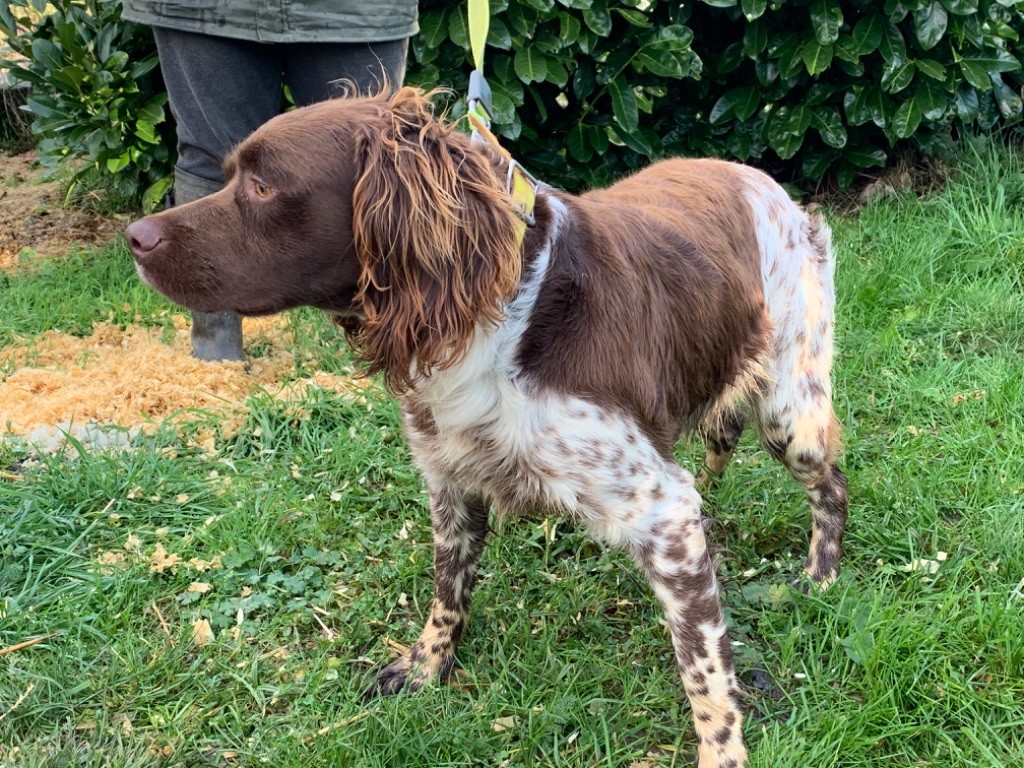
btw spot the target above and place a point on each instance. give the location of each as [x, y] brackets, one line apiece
[222, 89]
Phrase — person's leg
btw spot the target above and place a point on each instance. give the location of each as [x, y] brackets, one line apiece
[321, 71]
[220, 91]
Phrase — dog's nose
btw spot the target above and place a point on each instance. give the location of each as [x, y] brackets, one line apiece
[144, 237]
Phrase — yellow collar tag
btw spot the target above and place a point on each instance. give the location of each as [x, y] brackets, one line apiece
[520, 185]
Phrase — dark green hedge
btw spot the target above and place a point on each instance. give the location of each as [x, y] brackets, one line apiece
[587, 89]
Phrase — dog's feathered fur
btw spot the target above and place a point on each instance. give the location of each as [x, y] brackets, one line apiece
[555, 375]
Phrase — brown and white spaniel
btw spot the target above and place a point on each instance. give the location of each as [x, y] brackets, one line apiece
[551, 375]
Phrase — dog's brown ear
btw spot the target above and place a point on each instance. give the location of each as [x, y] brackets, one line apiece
[436, 237]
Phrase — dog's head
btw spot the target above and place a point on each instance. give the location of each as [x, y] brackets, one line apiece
[370, 208]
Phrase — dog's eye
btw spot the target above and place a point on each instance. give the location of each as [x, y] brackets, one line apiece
[261, 190]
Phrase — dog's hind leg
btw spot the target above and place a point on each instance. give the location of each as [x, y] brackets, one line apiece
[459, 525]
[793, 407]
[807, 442]
[721, 432]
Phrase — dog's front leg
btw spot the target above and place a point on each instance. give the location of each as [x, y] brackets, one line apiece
[667, 540]
[460, 525]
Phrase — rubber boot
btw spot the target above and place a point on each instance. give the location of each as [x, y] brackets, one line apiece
[215, 335]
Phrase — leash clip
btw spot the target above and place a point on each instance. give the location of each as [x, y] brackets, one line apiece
[478, 97]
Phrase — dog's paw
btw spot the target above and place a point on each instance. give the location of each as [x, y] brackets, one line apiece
[394, 678]
[410, 672]
[809, 583]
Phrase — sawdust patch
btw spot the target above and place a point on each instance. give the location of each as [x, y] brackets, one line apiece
[34, 222]
[136, 377]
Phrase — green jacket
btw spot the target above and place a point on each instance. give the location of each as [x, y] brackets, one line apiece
[282, 21]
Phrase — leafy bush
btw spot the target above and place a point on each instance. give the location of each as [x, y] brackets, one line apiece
[587, 89]
[96, 102]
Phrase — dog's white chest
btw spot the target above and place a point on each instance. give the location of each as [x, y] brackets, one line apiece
[538, 452]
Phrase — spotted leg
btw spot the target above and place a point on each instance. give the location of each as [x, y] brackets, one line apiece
[659, 522]
[808, 444]
[460, 526]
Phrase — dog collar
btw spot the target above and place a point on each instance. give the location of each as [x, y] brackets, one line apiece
[520, 184]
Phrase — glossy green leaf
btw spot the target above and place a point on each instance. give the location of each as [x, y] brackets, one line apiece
[829, 124]
[597, 137]
[826, 19]
[847, 51]
[71, 76]
[965, 102]
[998, 60]
[557, 73]
[816, 57]
[755, 38]
[868, 33]
[1007, 99]
[662, 63]
[975, 73]
[753, 9]
[568, 28]
[907, 118]
[788, 54]
[47, 54]
[933, 98]
[636, 18]
[738, 102]
[893, 47]
[530, 65]
[855, 104]
[674, 37]
[932, 69]
[599, 21]
[786, 130]
[7, 23]
[866, 157]
[154, 195]
[119, 162]
[144, 67]
[624, 105]
[817, 161]
[434, 27]
[577, 145]
[639, 141]
[102, 43]
[960, 7]
[584, 81]
[498, 35]
[897, 76]
[930, 24]
[458, 28]
[521, 19]
[147, 132]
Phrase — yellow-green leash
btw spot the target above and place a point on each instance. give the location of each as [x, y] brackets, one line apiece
[520, 184]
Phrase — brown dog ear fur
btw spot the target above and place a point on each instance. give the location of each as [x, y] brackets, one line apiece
[436, 237]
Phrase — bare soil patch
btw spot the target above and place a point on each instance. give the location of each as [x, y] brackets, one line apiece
[33, 220]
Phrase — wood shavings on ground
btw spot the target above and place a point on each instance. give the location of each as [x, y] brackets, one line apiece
[135, 377]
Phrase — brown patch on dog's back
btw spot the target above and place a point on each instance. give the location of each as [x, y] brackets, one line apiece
[611, 322]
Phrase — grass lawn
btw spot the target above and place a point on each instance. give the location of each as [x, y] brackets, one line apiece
[303, 543]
